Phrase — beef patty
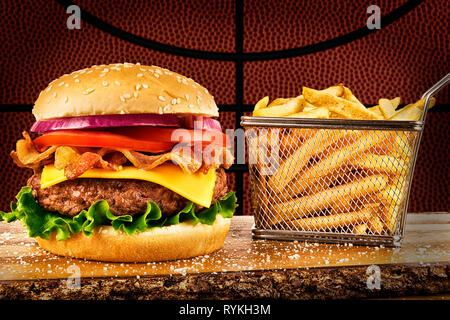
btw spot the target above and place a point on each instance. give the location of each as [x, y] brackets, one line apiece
[124, 196]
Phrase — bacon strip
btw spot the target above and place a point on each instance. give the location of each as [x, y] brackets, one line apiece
[75, 161]
[26, 154]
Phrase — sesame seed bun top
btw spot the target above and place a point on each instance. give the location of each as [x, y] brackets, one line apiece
[123, 89]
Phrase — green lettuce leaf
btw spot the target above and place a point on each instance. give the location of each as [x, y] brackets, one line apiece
[41, 223]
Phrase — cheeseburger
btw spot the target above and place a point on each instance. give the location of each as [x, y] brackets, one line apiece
[128, 166]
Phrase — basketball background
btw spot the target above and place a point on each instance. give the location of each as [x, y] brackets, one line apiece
[241, 51]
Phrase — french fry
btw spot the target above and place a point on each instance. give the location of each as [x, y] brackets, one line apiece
[386, 108]
[345, 108]
[261, 104]
[308, 106]
[395, 102]
[293, 139]
[374, 225]
[412, 112]
[294, 105]
[390, 217]
[408, 113]
[327, 182]
[348, 95]
[319, 201]
[289, 143]
[360, 229]
[295, 163]
[328, 222]
[330, 163]
[318, 113]
[279, 101]
[376, 110]
[395, 144]
[392, 198]
[379, 163]
[345, 205]
[337, 91]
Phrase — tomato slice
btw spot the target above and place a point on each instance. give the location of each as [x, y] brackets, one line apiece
[100, 139]
[174, 135]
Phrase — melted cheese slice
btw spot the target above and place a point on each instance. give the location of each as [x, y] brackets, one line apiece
[197, 187]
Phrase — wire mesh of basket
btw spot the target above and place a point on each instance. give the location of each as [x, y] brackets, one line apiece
[332, 180]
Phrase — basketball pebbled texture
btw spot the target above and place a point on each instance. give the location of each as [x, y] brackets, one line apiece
[403, 59]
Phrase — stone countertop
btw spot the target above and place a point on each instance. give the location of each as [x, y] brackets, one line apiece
[243, 269]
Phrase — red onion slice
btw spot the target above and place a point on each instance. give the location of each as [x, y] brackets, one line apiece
[211, 124]
[206, 123]
[103, 121]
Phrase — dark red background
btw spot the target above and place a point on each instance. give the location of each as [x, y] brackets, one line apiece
[402, 59]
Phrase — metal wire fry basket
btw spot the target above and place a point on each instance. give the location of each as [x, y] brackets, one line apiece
[332, 180]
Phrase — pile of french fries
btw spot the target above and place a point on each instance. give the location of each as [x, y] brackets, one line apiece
[329, 180]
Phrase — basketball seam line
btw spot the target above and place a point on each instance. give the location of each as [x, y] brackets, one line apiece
[244, 56]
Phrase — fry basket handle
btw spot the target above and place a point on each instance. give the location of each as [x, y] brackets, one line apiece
[432, 92]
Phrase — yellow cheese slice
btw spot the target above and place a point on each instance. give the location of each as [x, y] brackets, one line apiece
[197, 187]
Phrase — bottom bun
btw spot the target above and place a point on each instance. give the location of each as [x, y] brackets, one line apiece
[181, 241]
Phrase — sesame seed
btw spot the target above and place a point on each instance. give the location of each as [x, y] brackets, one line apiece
[88, 91]
[135, 94]
[162, 98]
[167, 108]
[139, 75]
[90, 71]
[158, 71]
[75, 76]
[186, 96]
[122, 98]
[66, 99]
[49, 88]
[62, 83]
[174, 101]
[184, 81]
[66, 85]
[142, 69]
[77, 80]
[102, 74]
[127, 96]
[156, 75]
[117, 82]
[138, 86]
[179, 80]
[105, 70]
[191, 105]
[160, 110]
[138, 63]
[145, 85]
[54, 94]
[105, 83]
[178, 100]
